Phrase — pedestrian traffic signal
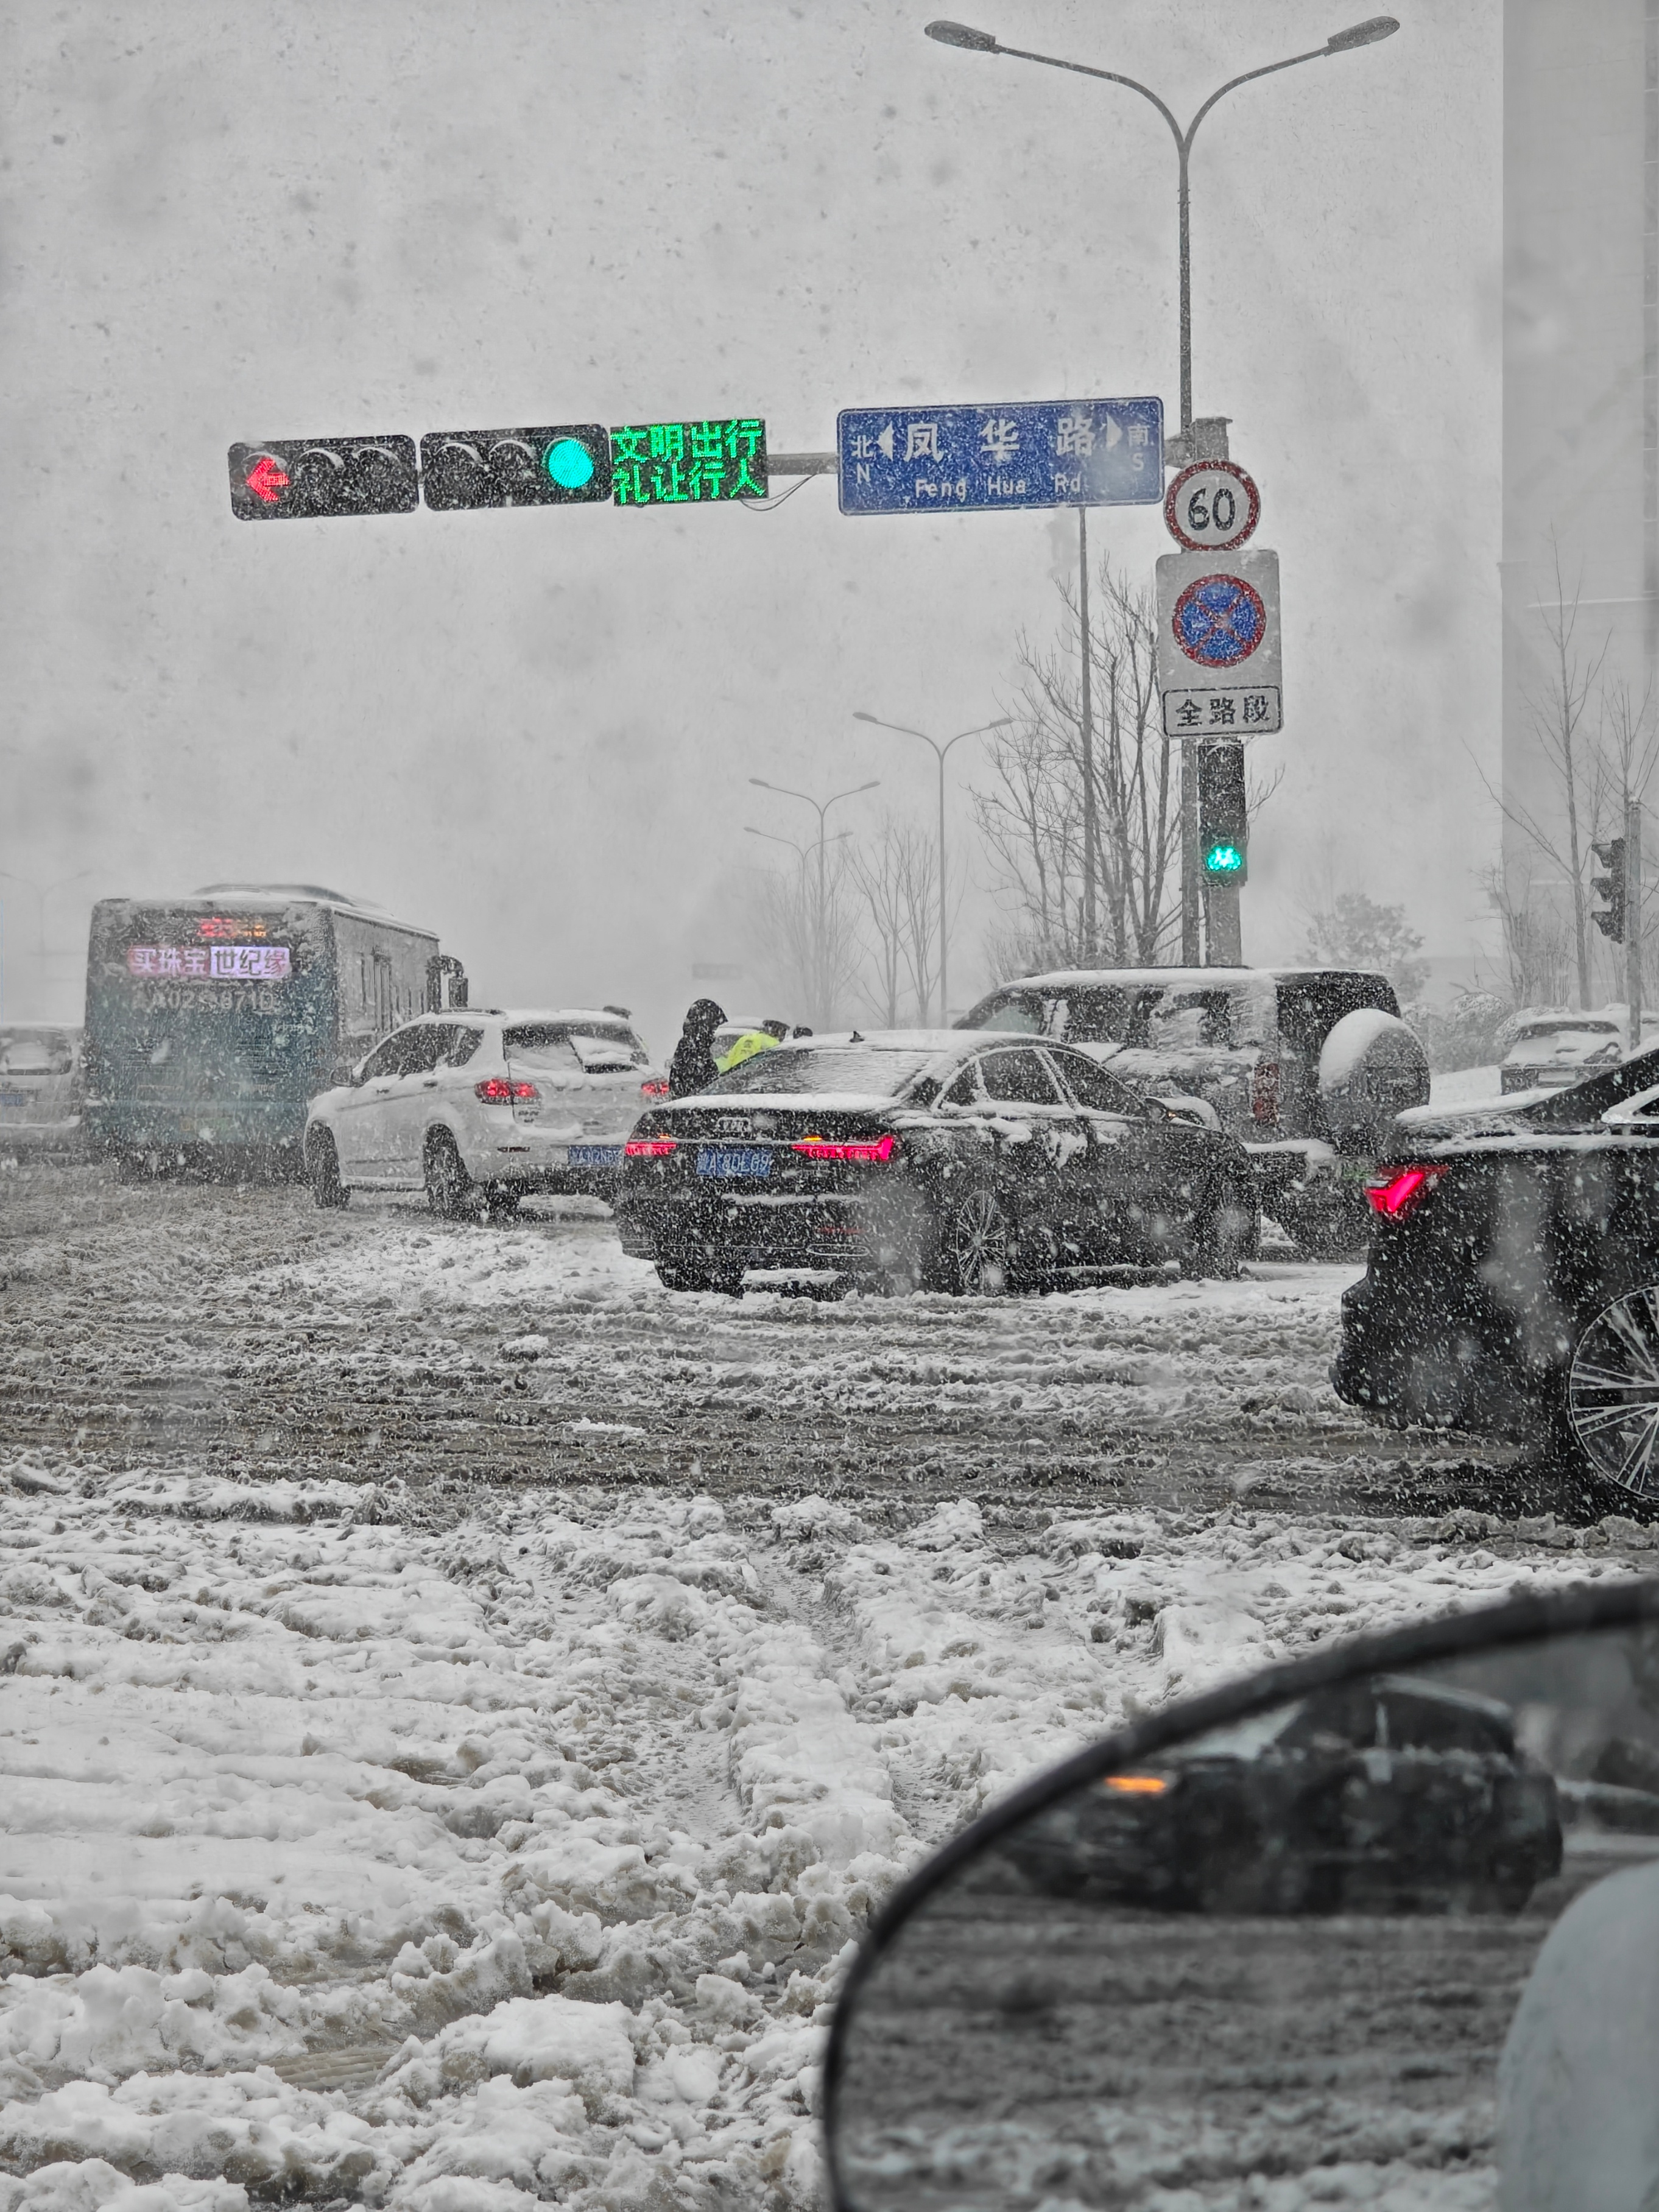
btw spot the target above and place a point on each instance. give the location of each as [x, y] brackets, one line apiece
[290, 479]
[1610, 918]
[555, 465]
[1223, 822]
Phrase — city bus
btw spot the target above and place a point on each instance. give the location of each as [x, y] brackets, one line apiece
[212, 1019]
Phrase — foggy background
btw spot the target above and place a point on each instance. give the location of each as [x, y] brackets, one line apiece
[531, 730]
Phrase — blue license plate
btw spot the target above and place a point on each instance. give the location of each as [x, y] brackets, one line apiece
[595, 1155]
[750, 1160]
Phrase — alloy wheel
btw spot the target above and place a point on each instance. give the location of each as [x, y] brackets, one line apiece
[979, 1246]
[1613, 1392]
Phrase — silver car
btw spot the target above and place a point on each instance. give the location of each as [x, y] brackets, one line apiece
[39, 1088]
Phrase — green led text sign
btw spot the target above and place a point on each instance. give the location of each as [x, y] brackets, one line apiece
[677, 463]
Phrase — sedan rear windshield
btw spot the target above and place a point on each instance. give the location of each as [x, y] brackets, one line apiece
[853, 1071]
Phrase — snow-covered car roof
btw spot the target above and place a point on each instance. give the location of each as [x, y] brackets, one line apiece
[1565, 1025]
[1173, 978]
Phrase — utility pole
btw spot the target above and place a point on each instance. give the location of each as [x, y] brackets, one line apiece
[1633, 919]
[1091, 831]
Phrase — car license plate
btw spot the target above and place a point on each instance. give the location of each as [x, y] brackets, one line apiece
[595, 1155]
[751, 1160]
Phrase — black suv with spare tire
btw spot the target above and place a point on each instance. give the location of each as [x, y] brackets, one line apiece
[1306, 1066]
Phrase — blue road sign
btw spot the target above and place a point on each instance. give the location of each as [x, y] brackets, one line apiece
[1050, 452]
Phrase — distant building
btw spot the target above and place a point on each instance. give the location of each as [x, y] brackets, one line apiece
[1580, 423]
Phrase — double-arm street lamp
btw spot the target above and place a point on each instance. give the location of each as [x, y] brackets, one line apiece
[821, 808]
[940, 749]
[1340, 42]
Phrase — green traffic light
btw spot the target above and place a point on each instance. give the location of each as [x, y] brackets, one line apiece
[1223, 860]
[568, 463]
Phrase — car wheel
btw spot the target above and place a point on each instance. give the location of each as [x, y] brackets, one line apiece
[1612, 1410]
[974, 1242]
[1227, 1232]
[450, 1190]
[322, 1167]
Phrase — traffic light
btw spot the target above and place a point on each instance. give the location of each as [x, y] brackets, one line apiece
[553, 466]
[1610, 918]
[1223, 822]
[299, 478]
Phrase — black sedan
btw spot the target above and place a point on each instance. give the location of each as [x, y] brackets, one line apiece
[1387, 1795]
[1513, 1288]
[929, 1159]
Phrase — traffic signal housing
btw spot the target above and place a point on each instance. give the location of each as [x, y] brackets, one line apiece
[1610, 918]
[1223, 822]
[297, 479]
[556, 465]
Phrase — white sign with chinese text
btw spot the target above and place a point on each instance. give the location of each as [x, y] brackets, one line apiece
[1219, 664]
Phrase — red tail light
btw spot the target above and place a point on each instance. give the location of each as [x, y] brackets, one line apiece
[1264, 1090]
[867, 1151]
[1407, 1188]
[496, 1091]
[656, 1088]
[650, 1148]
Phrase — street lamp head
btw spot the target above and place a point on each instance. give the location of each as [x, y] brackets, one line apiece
[962, 34]
[859, 715]
[1362, 34]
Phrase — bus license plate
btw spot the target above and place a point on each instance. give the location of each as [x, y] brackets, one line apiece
[750, 1160]
[595, 1155]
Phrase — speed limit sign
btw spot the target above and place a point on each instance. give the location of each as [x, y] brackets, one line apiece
[1211, 506]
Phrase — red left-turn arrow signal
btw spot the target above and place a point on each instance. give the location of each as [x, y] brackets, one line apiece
[266, 480]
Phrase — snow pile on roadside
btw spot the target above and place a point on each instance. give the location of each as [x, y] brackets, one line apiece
[467, 1870]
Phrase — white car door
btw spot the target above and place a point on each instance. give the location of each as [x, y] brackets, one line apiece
[362, 1122]
[408, 1106]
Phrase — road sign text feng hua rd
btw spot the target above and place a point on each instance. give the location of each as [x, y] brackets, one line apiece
[1218, 659]
[675, 464]
[1057, 452]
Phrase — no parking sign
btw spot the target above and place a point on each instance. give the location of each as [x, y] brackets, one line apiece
[1218, 663]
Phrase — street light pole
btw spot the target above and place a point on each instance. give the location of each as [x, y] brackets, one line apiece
[940, 751]
[1340, 42]
[821, 807]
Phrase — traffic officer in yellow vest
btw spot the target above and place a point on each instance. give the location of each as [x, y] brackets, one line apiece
[766, 1038]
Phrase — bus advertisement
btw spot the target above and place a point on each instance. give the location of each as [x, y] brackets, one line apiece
[213, 1019]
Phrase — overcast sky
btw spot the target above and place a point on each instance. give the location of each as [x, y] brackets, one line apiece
[532, 731]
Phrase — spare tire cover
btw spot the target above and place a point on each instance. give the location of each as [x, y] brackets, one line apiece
[1370, 1068]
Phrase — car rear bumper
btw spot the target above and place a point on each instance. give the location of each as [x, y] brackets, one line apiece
[1404, 1359]
[528, 1161]
[739, 1229]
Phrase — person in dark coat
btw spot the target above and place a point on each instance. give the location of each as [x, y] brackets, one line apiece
[692, 1069]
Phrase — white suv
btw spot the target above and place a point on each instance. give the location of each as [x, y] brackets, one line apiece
[478, 1106]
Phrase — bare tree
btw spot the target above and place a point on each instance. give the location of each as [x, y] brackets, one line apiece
[1558, 706]
[1536, 950]
[1030, 810]
[899, 881]
[808, 938]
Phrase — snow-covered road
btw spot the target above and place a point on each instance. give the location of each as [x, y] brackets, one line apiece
[458, 1845]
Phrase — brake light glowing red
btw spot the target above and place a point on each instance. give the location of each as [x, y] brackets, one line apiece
[496, 1090]
[1264, 1090]
[867, 1151]
[1407, 1188]
[657, 1087]
[650, 1148]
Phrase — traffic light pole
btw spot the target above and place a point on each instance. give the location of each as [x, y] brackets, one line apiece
[1633, 919]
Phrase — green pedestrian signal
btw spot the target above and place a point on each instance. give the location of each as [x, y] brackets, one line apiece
[1224, 814]
[682, 464]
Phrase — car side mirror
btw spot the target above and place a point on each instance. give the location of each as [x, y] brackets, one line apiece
[1381, 1907]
